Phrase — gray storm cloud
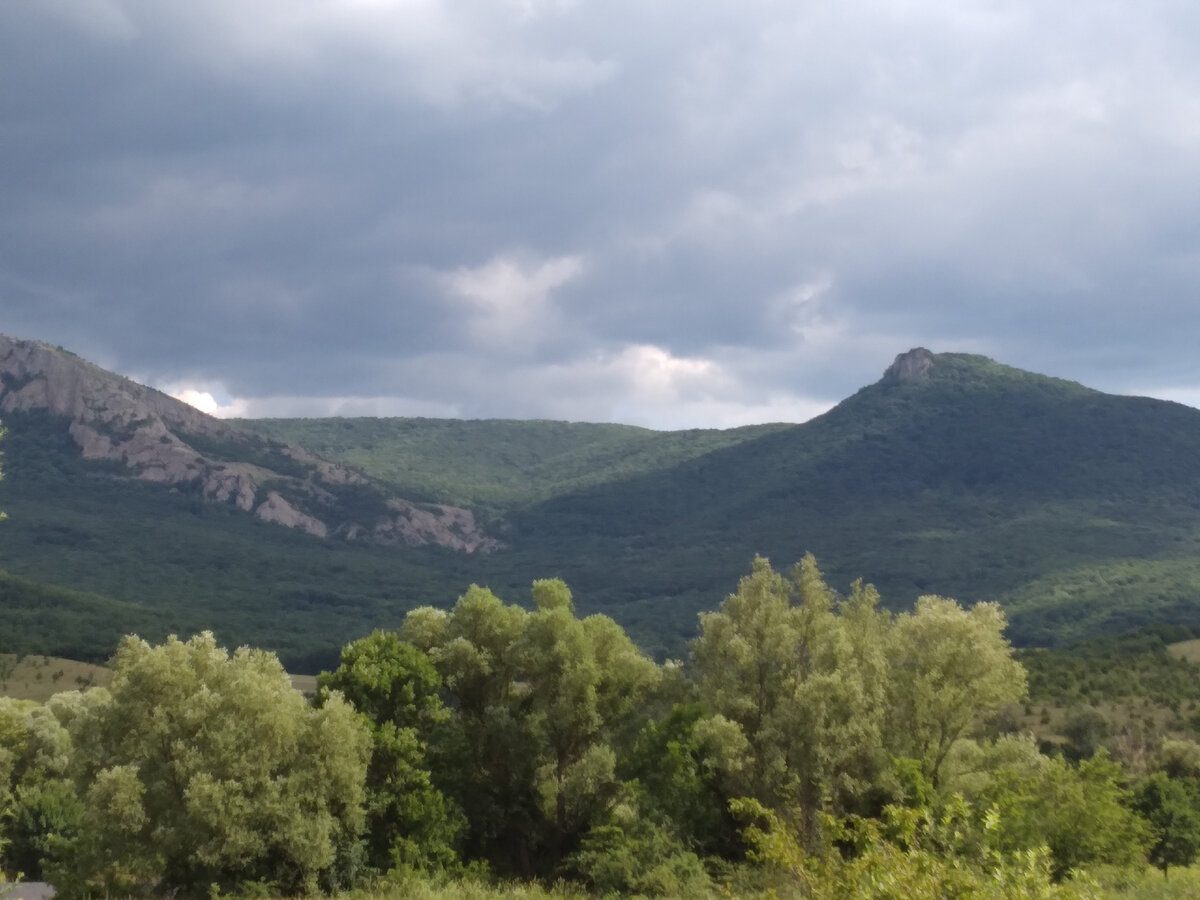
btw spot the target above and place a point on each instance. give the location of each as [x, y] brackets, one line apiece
[700, 215]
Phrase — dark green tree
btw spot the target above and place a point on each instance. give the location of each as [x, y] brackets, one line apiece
[488, 752]
[410, 823]
[1085, 729]
[542, 703]
[1172, 808]
[676, 774]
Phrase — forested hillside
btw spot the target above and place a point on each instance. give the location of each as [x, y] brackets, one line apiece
[1078, 511]
[498, 464]
[92, 555]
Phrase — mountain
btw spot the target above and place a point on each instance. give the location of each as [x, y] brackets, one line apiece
[952, 474]
[160, 439]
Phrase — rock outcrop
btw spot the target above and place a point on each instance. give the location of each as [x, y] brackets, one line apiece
[911, 366]
[163, 440]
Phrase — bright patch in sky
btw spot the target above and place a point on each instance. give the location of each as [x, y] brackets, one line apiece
[207, 403]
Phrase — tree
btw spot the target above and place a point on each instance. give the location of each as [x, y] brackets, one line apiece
[202, 768]
[410, 823]
[37, 799]
[1172, 808]
[676, 774]
[948, 666]
[801, 677]
[1082, 815]
[1085, 729]
[542, 701]
[585, 678]
[487, 761]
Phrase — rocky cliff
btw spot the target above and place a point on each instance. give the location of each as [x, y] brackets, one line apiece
[160, 439]
[911, 366]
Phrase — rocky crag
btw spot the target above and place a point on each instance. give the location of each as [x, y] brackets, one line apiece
[160, 439]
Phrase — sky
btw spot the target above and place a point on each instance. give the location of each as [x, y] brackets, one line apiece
[700, 214]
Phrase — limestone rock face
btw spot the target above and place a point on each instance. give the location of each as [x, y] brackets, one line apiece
[448, 526]
[911, 366]
[163, 440]
[276, 509]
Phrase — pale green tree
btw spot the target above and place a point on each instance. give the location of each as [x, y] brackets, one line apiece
[746, 661]
[202, 768]
[948, 667]
[585, 677]
[801, 676]
[971, 765]
[37, 799]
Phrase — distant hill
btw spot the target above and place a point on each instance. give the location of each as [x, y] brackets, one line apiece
[498, 464]
[952, 474]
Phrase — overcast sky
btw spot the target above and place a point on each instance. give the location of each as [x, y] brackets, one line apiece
[668, 214]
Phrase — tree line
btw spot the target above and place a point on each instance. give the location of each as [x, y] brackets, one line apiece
[812, 743]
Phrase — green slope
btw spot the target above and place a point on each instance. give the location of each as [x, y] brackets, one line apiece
[497, 464]
[154, 560]
[977, 482]
[1079, 510]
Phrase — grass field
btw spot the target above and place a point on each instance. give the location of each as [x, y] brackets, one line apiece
[38, 677]
[1186, 650]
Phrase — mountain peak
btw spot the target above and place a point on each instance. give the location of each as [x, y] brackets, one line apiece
[911, 366]
[159, 439]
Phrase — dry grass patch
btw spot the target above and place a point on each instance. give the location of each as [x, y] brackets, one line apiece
[36, 677]
[1186, 650]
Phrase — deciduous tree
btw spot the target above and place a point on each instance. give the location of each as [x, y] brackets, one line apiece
[948, 666]
[38, 803]
[540, 700]
[1081, 814]
[394, 686]
[1172, 807]
[198, 767]
[802, 677]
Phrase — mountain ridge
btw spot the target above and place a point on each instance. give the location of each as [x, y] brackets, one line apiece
[160, 439]
[950, 474]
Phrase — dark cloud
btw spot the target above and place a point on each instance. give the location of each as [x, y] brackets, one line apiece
[624, 211]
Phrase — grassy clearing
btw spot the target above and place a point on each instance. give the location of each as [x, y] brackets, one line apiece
[1186, 650]
[35, 677]
[305, 684]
